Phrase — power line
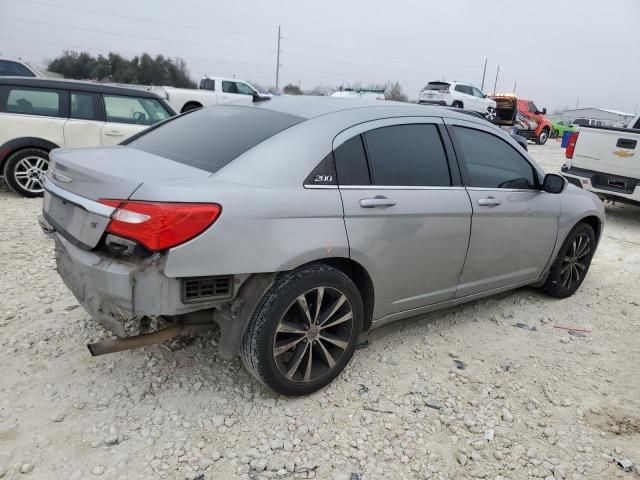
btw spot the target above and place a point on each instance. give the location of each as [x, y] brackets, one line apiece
[419, 72]
[377, 55]
[141, 19]
[103, 50]
[173, 40]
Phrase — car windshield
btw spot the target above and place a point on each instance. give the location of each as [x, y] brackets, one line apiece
[14, 69]
[439, 86]
[210, 138]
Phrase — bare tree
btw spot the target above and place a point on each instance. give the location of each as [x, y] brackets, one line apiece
[394, 92]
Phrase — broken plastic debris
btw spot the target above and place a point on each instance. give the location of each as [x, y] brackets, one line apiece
[488, 435]
[525, 327]
[625, 464]
[575, 329]
[460, 365]
[577, 333]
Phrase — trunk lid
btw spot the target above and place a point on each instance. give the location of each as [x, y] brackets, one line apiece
[77, 178]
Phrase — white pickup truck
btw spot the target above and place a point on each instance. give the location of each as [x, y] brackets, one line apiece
[211, 91]
[606, 160]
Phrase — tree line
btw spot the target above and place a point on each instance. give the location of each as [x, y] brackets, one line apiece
[140, 70]
[147, 70]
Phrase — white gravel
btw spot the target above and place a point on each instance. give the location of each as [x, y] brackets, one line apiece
[556, 406]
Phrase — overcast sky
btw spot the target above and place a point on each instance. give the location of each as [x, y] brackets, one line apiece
[556, 50]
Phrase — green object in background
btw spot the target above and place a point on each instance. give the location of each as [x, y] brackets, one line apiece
[558, 128]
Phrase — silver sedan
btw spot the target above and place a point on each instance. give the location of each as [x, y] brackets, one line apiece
[299, 224]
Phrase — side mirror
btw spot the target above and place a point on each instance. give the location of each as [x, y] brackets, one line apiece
[553, 183]
[544, 111]
[259, 98]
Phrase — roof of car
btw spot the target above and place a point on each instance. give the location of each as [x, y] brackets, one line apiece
[77, 85]
[311, 106]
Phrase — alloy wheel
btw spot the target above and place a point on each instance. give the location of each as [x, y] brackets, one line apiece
[29, 173]
[491, 114]
[573, 265]
[313, 334]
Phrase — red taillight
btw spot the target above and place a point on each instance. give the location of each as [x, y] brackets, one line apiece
[571, 146]
[160, 225]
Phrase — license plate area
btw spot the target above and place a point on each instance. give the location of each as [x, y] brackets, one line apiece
[615, 183]
[73, 220]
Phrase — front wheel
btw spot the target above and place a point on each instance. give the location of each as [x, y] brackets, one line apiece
[457, 104]
[491, 114]
[542, 138]
[304, 330]
[24, 171]
[572, 263]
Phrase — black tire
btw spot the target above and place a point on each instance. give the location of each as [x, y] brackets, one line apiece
[491, 114]
[543, 137]
[259, 342]
[457, 104]
[21, 179]
[190, 106]
[556, 284]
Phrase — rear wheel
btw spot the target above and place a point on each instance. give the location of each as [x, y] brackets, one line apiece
[24, 171]
[542, 138]
[190, 106]
[572, 263]
[304, 331]
[457, 104]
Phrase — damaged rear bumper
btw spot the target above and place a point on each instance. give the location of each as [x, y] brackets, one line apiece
[115, 291]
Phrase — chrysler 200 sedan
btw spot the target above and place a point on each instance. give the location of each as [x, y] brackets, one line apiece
[300, 223]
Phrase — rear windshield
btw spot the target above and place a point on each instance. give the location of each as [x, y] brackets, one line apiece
[437, 86]
[14, 69]
[210, 138]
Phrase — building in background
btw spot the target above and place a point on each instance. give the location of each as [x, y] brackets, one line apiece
[607, 116]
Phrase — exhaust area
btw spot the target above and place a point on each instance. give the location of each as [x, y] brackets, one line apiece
[119, 344]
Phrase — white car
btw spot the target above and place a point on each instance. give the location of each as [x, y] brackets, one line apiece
[459, 95]
[18, 68]
[211, 91]
[37, 116]
[362, 94]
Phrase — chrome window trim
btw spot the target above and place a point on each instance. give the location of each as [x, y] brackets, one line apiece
[82, 202]
[497, 189]
[384, 187]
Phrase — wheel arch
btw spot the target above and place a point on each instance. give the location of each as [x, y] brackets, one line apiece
[17, 144]
[594, 222]
[190, 105]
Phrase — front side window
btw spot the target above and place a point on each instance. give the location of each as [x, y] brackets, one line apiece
[14, 69]
[493, 163]
[461, 89]
[84, 106]
[477, 93]
[139, 111]
[34, 102]
[407, 155]
[229, 87]
[532, 107]
[245, 89]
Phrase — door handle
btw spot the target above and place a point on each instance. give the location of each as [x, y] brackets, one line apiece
[378, 201]
[489, 202]
[113, 133]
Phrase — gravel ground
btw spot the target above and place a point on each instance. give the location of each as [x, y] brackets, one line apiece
[460, 393]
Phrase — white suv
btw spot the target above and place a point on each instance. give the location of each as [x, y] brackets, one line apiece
[39, 115]
[460, 95]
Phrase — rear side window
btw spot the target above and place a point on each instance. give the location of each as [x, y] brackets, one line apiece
[14, 69]
[493, 163]
[139, 111]
[407, 155]
[439, 86]
[34, 102]
[85, 106]
[210, 138]
[207, 84]
[351, 162]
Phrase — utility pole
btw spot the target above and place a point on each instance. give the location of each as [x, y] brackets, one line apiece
[278, 60]
[515, 84]
[484, 72]
[577, 102]
[496, 83]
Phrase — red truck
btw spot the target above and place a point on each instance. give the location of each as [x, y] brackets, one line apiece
[523, 116]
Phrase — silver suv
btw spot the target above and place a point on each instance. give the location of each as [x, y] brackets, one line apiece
[301, 223]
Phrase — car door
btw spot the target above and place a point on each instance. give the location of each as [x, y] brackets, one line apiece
[407, 216]
[86, 120]
[126, 116]
[515, 223]
[481, 101]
